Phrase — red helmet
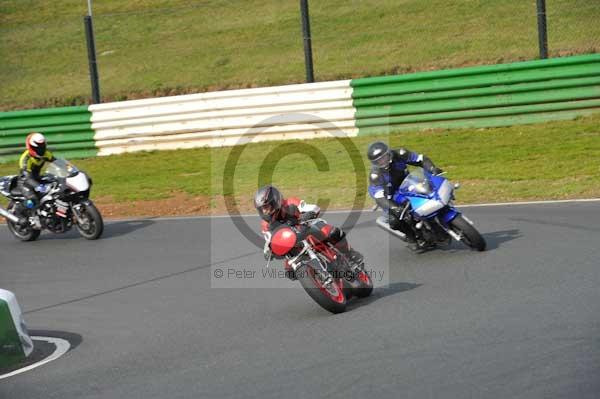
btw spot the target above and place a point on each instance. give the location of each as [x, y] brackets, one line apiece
[36, 145]
[267, 202]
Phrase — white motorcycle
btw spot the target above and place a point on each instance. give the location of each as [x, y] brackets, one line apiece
[64, 201]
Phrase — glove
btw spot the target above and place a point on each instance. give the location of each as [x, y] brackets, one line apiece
[268, 254]
[42, 188]
[308, 216]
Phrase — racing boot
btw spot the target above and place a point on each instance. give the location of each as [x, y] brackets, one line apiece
[355, 258]
[421, 245]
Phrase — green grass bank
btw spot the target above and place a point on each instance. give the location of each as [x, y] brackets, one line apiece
[557, 160]
[150, 48]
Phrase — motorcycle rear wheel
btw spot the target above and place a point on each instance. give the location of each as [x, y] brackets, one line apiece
[21, 232]
[330, 298]
[94, 225]
[366, 285]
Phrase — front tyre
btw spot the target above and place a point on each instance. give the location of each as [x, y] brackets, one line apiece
[469, 234]
[23, 232]
[330, 297]
[90, 223]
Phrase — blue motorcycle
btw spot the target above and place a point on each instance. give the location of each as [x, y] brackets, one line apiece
[433, 217]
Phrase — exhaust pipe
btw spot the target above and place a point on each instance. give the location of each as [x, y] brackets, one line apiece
[8, 215]
[380, 221]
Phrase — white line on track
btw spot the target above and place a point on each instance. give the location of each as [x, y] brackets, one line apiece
[167, 218]
[62, 347]
[170, 218]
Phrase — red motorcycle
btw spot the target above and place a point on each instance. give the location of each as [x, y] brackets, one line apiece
[324, 272]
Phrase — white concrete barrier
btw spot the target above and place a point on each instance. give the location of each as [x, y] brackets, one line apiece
[225, 118]
[15, 343]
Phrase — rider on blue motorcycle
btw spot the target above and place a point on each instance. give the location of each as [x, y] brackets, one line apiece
[388, 170]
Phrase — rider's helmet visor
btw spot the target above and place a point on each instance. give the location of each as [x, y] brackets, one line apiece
[383, 161]
[267, 209]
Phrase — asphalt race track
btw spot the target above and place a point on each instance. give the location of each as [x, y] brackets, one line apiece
[521, 320]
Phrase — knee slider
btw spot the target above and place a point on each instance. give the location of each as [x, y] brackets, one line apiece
[337, 234]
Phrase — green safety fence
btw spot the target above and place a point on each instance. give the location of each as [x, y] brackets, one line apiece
[68, 130]
[485, 96]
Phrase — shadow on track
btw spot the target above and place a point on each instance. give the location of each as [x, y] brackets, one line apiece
[495, 238]
[381, 292]
[116, 229]
[111, 229]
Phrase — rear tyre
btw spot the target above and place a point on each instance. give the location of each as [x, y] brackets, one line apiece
[470, 235]
[366, 285]
[91, 226]
[330, 297]
[21, 232]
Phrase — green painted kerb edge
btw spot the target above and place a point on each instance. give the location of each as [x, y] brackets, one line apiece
[485, 96]
[68, 130]
[11, 351]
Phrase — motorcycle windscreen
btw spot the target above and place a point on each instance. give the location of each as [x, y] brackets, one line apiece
[78, 183]
[416, 183]
[61, 168]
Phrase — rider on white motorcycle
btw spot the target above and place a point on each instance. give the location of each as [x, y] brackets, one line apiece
[31, 163]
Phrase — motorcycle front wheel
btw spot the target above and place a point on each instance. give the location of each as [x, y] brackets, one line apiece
[90, 225]
[23, 232]
[470, 236]
[330, 297]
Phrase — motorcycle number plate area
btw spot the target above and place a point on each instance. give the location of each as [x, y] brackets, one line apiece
[61, 210]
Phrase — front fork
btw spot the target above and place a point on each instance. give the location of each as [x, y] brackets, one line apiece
[77, 211]
[320, 268]
[445, 219]
[315, 263]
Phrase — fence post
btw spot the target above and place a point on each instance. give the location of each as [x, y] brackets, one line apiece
[308, 62]
[542, 28]
[91, 47]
